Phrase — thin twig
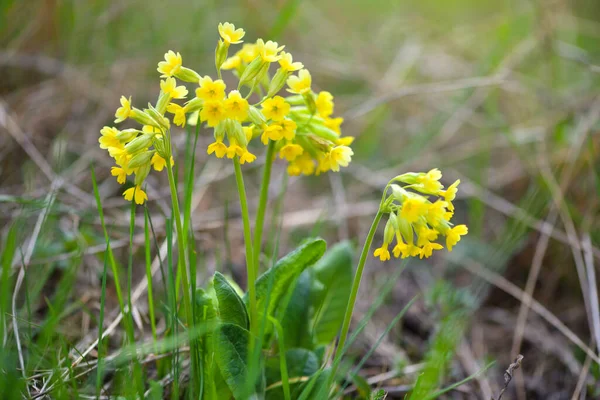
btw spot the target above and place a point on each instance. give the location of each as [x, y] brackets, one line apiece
[508, 374]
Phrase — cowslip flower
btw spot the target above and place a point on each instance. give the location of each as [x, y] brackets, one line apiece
[178, 114]
[236, 106]
[301, 83]
[290, 151]
[211, 90]
[287, 64]
[324, 103]
[124, 111]
[339, 156]
[416, 221]
[212, 113]
[169, 86]
[269, 51]
[218, 147]
[275, 108]
[136, 193]
[229, 34]
[171, 65]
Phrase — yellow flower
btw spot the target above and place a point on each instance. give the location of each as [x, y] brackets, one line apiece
[119, 173]
[450, 194]
[218, 147]
[275, 108]
[109, 138]
[236, 107]
[124, 111]
[334, 124]
[286, 63]
[345, 141]
[210, 90]
[324, 103]
[247, 157]
[426, 235]
[383, 253]
[159, 163]
[430, 181]
[169, 86]
[340, 156]
[324, 163]
[454, 234]
[272, 132]
[290, 151]
[248, 52]
[232, 63]
[303, 164]
[300, 84]
[178, 114]
[212, 112]
[436, 213]
[248, 132]
[268, 51]
[171, 65]
[150, 129]
[413, 209]
[234, 149]
[289, 128]
[137, 192]
[229, 34]
[400, 248]
[428, 249]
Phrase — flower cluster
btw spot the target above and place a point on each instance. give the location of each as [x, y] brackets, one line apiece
[415, 221]
[300, 126]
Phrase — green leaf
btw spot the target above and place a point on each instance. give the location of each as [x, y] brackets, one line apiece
[232, 357]
[334, 273]
[215, 387]
[379, 395]
[295, 320]
[231, 307]
[301, 363]
[275, 282]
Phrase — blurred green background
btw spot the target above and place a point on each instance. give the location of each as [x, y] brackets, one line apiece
[501, 94]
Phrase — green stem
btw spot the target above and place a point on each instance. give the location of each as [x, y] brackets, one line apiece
[251, 268]
[262, 203]
[355, 285]
[181, 259]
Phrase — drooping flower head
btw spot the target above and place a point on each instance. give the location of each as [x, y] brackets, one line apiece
[418, 216]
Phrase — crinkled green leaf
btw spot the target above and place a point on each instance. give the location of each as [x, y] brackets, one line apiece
[334, 273]
[277, 280]
[231, 308]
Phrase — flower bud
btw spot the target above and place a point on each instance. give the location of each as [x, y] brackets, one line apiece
[219, 131]
[194, 104]
[161, 148]
[140, 159]
[310, 102]
[405, 229]
[143, 118]
[324, 132]
[158, 118]
[163, 102]
[251, 71]
[255, 116]
[139, 143]
[262, 74]
[221, 53]
[127, 135]
[187, 75]
[295, 99]
[235, 131]
[142, 173]
[390, 229]
[277, 82]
